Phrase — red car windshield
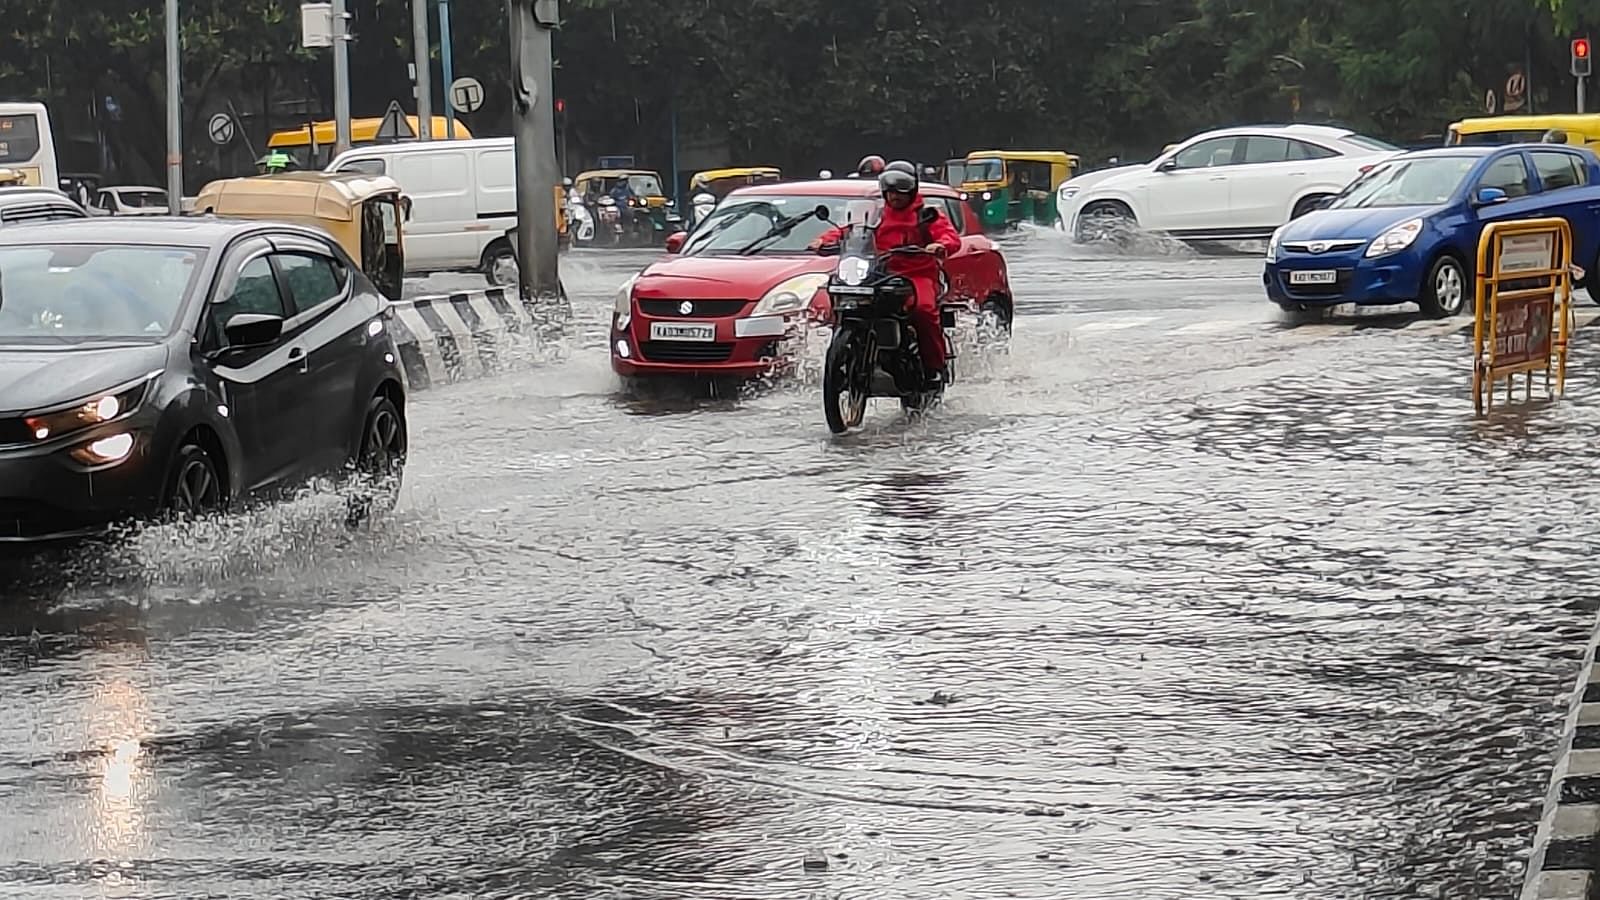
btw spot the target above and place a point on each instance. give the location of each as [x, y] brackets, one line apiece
[741, 221]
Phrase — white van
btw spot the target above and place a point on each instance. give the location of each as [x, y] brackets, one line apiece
[463, 199]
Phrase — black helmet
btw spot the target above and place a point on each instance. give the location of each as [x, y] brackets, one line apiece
[901, 165]
[894, 181]
[869, 166]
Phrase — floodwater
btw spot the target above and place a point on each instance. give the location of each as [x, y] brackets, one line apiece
[1177, 599]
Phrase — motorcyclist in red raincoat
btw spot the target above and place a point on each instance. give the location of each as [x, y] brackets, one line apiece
[900, 226]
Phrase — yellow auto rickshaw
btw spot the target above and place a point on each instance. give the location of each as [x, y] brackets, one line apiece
[653, 215]
[1582, 130]
[722, 182]
[364, 213]
[1010, 186]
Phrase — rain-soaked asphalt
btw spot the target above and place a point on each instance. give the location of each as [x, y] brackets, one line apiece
[1174, 601]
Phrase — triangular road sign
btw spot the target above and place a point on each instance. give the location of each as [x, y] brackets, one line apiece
[395, 127]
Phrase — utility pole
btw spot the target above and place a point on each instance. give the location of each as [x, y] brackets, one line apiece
[341, 80]
[532, 73]
[174, 114]
[448, 70]
[419, 41]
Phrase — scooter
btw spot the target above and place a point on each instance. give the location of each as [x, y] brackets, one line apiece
[610, 220]
[580, 225]
[703, 204]
[874, 348]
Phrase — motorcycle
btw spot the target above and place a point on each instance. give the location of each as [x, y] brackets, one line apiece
[580, 225]
[610, 219]
[874, 348]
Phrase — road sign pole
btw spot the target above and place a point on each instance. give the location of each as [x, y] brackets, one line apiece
[419, 42]
[1581, 80]
[174, 111]
[449, 71]
[341, 80]
[533, 124]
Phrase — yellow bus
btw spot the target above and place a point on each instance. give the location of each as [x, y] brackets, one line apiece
[297, 141]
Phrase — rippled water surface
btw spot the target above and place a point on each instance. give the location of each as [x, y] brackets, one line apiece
[1178, 599]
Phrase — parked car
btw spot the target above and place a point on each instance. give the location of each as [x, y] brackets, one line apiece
[735, 289]
[1232, 184]
[153, 366]
[131, 201]
[33, 204]
[1408, 230]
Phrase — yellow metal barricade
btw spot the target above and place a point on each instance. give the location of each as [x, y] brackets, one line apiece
[1524, 307]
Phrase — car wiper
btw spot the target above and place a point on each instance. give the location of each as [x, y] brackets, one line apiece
[778, 228]
[722, 226]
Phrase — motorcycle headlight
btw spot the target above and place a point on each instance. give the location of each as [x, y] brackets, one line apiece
[1395, 239]
[790, 296]
[1272, 245]
[109, 406]
[622, 308]
[853, 270]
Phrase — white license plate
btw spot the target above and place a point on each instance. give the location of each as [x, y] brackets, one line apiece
[683, 331]
[1322, 276]
[848, 289]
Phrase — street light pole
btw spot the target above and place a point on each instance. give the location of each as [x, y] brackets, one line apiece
[533, 124]
[174, 113]
[341, 80]
[419, 41]
[448, 70]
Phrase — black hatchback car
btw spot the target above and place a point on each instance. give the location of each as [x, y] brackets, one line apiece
[176, 365]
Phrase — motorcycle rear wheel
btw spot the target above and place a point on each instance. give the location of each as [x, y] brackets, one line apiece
[844, 403]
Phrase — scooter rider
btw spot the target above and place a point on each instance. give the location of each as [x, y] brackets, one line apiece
[899, 226]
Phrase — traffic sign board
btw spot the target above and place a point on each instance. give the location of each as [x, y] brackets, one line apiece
[394, 126]
[466, 95]
[221, 129]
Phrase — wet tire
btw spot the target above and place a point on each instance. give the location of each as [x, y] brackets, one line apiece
[380, 465]
[1445, 290]
[194, 484]
[1105, 222]
[843, 404]
[500, 266]
[994, 324]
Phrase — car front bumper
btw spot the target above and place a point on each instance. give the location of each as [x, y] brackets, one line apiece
[47, 496]
[1383, 281]
[742, 347]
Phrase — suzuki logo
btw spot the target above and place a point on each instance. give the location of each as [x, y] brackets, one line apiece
[1318, 246]
[685, 307]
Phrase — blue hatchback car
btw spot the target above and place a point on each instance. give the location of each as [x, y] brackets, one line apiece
[1408, 229]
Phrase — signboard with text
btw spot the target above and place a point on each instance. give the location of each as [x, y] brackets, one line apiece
[1524, 307]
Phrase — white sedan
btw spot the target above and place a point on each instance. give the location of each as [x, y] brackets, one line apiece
[1232, 184]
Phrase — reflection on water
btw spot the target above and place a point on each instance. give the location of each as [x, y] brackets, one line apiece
[1232, 613]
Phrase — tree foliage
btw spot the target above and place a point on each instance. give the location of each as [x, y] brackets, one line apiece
[805, 83]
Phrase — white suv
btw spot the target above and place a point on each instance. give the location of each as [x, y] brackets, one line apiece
[1232, 184]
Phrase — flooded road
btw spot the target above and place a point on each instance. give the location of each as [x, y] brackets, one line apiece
[1176, 600]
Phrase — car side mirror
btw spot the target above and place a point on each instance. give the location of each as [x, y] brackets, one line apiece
[927, 216]
[675, 241]
[252, 330]
[1489, 196]
[822, 212]
[1167, 165]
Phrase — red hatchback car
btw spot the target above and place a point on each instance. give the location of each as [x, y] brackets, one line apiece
[734, 291]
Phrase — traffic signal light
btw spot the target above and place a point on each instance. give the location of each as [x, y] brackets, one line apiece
[1581, 62]
[561, 106]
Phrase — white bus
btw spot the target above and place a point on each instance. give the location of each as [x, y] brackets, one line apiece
[26, 144]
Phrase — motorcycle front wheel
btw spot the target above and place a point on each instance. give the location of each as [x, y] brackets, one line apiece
[844, 402]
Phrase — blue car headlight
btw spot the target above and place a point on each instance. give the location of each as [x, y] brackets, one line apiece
[1272, 245]
[1395, 239]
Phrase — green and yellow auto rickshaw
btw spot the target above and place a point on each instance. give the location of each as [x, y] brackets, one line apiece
[652, 214]
[1007, 187]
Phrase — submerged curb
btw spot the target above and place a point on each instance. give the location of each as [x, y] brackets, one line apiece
[448, 338]
[1565, 864]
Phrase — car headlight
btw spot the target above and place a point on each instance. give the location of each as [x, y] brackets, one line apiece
[113, 404]
[790, 296]
[1395, 239]
[1272, 245]
[623, 306]
[1068, 192]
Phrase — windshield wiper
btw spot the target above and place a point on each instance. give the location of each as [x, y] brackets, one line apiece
[778, 228]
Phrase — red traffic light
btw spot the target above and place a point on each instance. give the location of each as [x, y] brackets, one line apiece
[1580, 48]
[561, 105]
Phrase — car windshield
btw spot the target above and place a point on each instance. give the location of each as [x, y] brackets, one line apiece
[1370, 143]
[1424, 181]
[144, 199]
[645, 185]
[74, 293]
[985, 170]
[739, 221]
